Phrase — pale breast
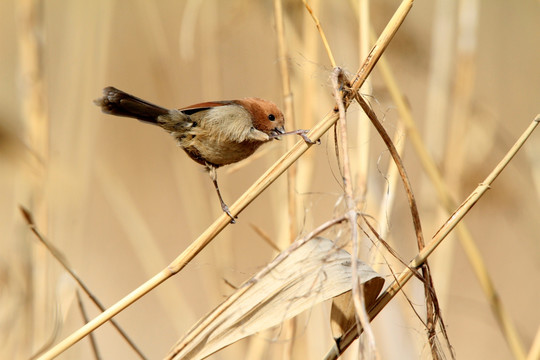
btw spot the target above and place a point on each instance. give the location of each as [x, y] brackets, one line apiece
[221, 136]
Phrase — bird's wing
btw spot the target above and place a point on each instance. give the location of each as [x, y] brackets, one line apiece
[195, 108]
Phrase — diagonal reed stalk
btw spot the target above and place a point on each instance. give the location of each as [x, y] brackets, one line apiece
[60, 258]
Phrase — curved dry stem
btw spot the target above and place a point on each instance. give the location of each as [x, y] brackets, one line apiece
[432, 305]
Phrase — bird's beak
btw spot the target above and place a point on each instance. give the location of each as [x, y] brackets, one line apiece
[278, 131]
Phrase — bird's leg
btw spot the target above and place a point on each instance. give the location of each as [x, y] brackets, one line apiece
[213, 175]
[302, 133]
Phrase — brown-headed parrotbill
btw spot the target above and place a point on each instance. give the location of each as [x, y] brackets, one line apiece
[213, 133]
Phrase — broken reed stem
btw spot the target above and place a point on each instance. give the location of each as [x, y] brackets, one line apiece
[278, 168]
[351, 213]
[441, 234]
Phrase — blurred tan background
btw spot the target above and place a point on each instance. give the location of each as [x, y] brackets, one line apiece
[120, 200]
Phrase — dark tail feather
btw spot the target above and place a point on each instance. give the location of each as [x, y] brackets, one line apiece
[116, 102]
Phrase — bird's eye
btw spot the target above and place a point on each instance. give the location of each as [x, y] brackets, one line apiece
[271, 117]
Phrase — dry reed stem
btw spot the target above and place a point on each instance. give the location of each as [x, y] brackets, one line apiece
[440, 79]
[278, 168]
[441, 234]
[465, 65]
[392, 172]
[34, 104]
[289, 113]
[60, 258]
[389, 195]
[380, 45]
[503, 318]
[342, 312]
[401, 168]
[321, 32]
[264, 235]
[361, 9]
[461, 103]
[308, 100]
[357, 296]
[91, 337]
[338, 82]
[363, 134]
[290, 325]
[444, 195]
[308, 92]
[43, 346]
[33, 187]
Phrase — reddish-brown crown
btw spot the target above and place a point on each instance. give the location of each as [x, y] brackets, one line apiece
[267, 117]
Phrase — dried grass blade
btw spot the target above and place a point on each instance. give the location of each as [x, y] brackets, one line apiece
[306, 276]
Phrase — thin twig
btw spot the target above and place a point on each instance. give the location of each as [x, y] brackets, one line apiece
[62, 261]
[321, 31]
[91, 337]
[265, 237]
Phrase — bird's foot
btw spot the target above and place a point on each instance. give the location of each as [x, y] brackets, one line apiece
[303, 133]
[225, 209]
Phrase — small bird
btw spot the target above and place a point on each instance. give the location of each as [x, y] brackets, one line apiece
[213, 133]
